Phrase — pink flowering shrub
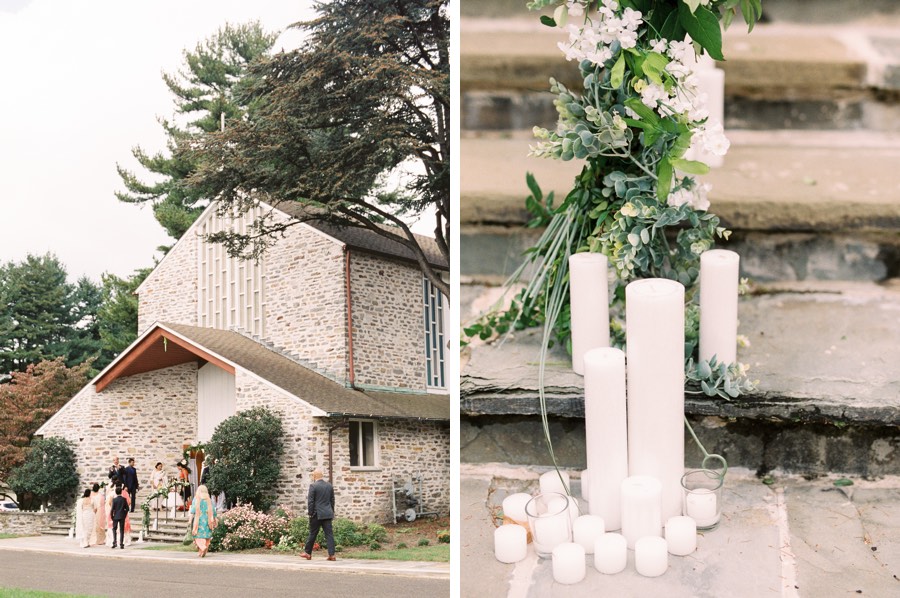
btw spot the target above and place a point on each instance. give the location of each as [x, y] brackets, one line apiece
[242, 528]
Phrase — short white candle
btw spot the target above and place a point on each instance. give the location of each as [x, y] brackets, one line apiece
[700, 505]
[610, 553]
[550, 482]
[719, 278]
[654, 312]
[641, 508]
[606, 431]
[568, 563]
[510, 543]
[514, 507]
[589, 301]
[549, 526]
[586, 529]
[586, 485]
[651, 557]
[681, 535]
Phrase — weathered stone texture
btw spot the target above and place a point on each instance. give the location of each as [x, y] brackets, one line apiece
[388, 327]
[306, 308]
[169, 294]
[146, 416]
[25, 522]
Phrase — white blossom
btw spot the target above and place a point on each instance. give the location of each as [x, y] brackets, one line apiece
[575, 7]
[711, 139]
[651, 95]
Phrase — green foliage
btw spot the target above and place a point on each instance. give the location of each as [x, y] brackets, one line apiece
[367, 95]
[725, 380]
[443, 536]
[243, 528]
[48, 472]
[248, 448]
[346, 532]
[401, 546]
[423, 542]
[205, 90]
[374, 546]
[118, 313]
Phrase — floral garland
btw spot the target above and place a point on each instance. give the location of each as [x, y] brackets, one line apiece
[161, 492]
[637, 199]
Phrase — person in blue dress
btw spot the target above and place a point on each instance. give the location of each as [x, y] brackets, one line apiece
[203, 512]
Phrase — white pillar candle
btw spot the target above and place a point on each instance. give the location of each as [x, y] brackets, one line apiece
[514, 507]
[651, 557]
[606, 432]
[654, 313]
[610, 553]
[550, 482]
[710, 83]
[641, 508]
[589, 300]
[568, 563]
[700, 505]
[681, 535]
[586, 529]
[719, 278]
[586, 485]
[510, 543]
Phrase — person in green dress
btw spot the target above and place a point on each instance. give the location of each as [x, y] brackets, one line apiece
[203, 511]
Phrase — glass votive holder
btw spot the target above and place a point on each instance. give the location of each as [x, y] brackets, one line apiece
[548, 518]
[702, 491]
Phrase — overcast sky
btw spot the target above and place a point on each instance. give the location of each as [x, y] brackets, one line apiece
[80, 85]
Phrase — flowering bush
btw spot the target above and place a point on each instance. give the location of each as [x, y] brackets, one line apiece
[243, 527]
[637, 199]
[346, 532]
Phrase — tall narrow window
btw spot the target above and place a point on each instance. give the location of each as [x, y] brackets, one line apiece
[363, 444]
[434, 335]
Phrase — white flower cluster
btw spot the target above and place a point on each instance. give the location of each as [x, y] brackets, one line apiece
[592, 40]
[697, 197]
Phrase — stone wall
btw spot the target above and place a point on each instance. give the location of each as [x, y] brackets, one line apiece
[388, 327]
[306, 308]
[26, 523]
[147, 416]
[406, 448]
[169, 294]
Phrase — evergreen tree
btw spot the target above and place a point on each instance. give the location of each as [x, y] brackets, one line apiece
[204, 92]
[331, 125]
[118, 315]
[48, 473]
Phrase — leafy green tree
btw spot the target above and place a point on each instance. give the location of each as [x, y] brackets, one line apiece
[363, 103]
[43, 316]
[29, 399]
[204, 92]
[48, 473]
[117, 317]
[246, 450]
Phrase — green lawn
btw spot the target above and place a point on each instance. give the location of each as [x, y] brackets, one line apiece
[16, 593]
[172, 547]
[437, 553]
[7, 536]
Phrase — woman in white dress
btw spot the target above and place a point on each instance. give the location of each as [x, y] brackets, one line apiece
[98, 532]
[84, 519]
[157, 481]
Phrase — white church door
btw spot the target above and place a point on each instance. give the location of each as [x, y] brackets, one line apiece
[215, 399]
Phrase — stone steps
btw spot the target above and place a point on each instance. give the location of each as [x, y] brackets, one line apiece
[171, 530]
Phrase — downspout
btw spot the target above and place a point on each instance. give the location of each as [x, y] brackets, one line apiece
[351, 374]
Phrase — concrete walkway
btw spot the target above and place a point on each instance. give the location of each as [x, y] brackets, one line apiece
[793, 538]
[271, 560]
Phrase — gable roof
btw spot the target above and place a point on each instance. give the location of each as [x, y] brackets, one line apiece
[366, 239]
[230, 350]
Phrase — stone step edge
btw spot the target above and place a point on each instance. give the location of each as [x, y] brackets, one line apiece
[762, 186]
[805, 59]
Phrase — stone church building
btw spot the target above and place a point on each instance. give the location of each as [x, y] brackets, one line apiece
[335, 329]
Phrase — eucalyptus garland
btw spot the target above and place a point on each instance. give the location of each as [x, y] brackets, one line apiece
[637, 199]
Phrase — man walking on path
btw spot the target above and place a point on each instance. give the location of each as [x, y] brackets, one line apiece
[130, 481]
[320, 508]
[118, 512]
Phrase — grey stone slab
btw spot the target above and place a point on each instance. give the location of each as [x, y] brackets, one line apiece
[477, 563]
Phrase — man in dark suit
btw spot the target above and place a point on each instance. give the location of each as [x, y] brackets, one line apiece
[115, 469]
[130, 480]
[118, 512]
[320, 508]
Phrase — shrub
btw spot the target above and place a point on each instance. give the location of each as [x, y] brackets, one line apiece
[401, 545]
[424, 542]
[374, 546]
[443, 536]
[248, 448]
[48, 472]
[346, 532]
[242, 528]
[376, 532]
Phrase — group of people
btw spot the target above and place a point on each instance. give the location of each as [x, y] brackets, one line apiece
[102, 512]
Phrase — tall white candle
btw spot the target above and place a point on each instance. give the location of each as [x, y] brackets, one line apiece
[711, 83]
[514, 507]
[606, 432]
[568, 563]
[610, 553]
[681, 535]
[550, 482]
[651, 556]
[654, 313]
[586, 485]
[585, 531]
[719, 277]
[510, 543]
[589, 300]
[641, 508]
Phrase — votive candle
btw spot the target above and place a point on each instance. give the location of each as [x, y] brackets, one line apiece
[651, 556]
[568, 563]
[585, 531]
[610, 553]
[589, 301]
[550, 482]
[681, 535]
[510, 543]
[514, 507]
[700, 505]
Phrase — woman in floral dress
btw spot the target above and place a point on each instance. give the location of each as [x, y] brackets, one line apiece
[204, 520]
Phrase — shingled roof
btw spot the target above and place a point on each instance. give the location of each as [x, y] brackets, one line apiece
[365, 239]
